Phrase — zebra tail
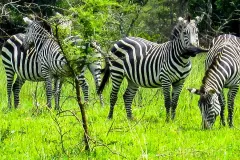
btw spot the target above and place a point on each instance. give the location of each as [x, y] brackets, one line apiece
[105, 79]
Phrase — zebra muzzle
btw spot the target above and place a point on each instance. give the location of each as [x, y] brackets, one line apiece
[205, 124]
[193, 51]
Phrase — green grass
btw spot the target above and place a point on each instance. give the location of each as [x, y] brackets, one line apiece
[38, 133]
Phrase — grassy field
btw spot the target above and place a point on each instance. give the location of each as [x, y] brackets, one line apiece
[34, 132]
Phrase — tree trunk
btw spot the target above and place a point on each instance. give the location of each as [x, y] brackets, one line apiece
[84, 119]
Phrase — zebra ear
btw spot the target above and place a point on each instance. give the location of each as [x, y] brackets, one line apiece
[180, 20]
[27, 20]
[194, 91]
[199, 19]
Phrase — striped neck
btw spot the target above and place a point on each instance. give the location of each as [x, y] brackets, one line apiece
[40, 36]
[178, 50]
[215, 76]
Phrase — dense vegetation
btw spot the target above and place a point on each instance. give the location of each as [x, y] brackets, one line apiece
[35, 132]
[110, 20]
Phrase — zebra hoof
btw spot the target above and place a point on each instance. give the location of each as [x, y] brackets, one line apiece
[223, 124]
[16, 106]
[167, 120]
[49, 107]
[172, 118]
[131, 118]
[110, 117]
[56, 109]
[9, 106]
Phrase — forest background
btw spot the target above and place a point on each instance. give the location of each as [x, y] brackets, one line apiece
[110, 20]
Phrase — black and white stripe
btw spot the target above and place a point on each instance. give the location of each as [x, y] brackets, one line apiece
[25, 64]
[148, 64]
[222, 71]
[52, 63]
[18, 61]
[21, 62]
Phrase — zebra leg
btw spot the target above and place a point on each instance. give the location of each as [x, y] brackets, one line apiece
[116, 83]
[222, 104]
[16, 90]
[57, 92]
[48, 82]
[176, 90]
[128, 97]
[84, 85]
[167, 99]
[231, 96]
[95, 69]
[10, 77]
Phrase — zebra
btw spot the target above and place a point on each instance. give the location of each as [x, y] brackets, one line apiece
[51, 63]
[94, 67]
[152, 65]
[22, 62]
[222, 67]
[27, 69]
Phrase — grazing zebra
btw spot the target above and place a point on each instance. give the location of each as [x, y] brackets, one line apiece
[94, 67]
[222, 71]
[152, 65]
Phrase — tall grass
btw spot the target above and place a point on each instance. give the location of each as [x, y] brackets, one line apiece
[34, 132]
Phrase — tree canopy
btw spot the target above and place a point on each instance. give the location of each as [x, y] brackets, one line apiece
[109, 20]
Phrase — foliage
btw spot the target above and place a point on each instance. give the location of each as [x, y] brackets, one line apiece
[109, 20]
[85, 21]
[220, 16]
[32, 132]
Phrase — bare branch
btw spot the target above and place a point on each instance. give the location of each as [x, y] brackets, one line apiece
[60, 131]
[98, 143]
[50, 6]
[5, 5]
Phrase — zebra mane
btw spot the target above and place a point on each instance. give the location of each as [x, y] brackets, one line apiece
[46, 26]
[42, 24]
[176, 31]
[213, 64]
[39, 21]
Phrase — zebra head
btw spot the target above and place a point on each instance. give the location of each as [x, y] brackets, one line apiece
[208, 105]
[189, 33]
[35, 30]
[28, 36]
[186, 32]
